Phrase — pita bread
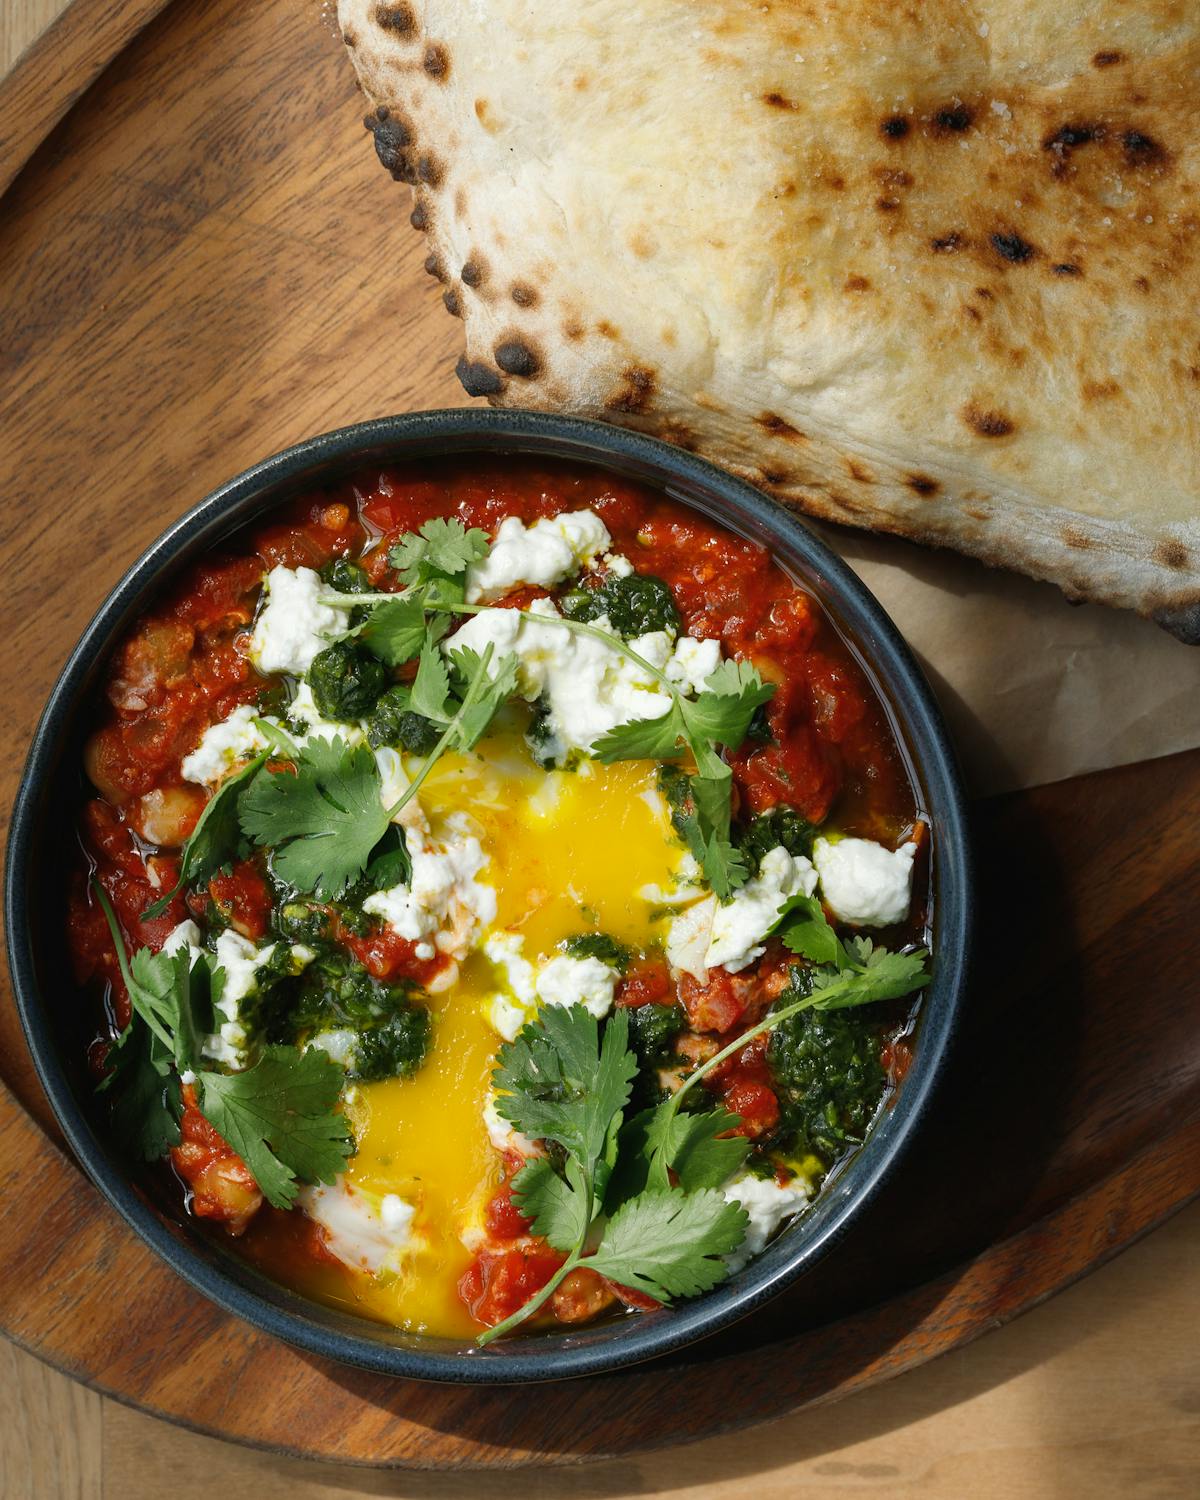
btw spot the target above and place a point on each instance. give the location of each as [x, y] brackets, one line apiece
[924, 268]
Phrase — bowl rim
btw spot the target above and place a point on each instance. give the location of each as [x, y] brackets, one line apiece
[305, 1323]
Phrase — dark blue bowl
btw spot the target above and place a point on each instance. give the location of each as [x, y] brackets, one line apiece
[43, 828]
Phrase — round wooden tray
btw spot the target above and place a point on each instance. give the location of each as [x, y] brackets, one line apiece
[201, 264]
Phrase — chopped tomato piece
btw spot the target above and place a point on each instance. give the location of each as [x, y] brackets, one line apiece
[646, 982]
[243, 898]
[712, 1004]
[498, 1282]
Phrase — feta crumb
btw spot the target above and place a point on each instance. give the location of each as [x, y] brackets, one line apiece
[693, 662]
[365, 1232]
[689, 936]
[338, 1044]
[510, 1008]
[740, 925]
[589, 686]
[503, 1136]
[618, 564]
[294, 625]
[768, 1205]
[578, 981]
[864, 883]
[225, 745]
[185, 936]
[443, 902]
[544, 554]
[240, 959]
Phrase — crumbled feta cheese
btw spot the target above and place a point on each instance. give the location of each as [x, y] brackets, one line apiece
[740, 925]
[589, 686]
[865, 883]
[689, 936]
[393, 783]
[294, 625]
[618, 565]
[443, 901]
[693, 662]
[510, 1008]
[578, 981]
[768, 1205]
[185, 936]
[544, 554]
[338, 1044]
[225, 745]
[365, 1232]
[503, 1136]
[303, 710]
[561, 980]
[240, 960]
[687, 885]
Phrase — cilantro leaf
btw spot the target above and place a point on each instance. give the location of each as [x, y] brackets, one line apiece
[721, 714]
[670, 1243]
[431, 686]
[395, 631]
[812, 935]
[279, 1117]
[441, 543]
[644, 739]
[214, 840]
[486, 685]
[558, 1210]
[559, 1082]
[146, 1102]
[697, 1147]
[324, 820]
[882, 976]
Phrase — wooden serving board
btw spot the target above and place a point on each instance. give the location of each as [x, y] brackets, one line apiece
[202, 263]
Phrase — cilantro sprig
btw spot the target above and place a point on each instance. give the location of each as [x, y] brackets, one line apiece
[564, 1081]
[279, 1115]
[433, 564]
[640, 1200]
[323, 814]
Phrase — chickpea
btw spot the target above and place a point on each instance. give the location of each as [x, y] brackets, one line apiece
[167, 815]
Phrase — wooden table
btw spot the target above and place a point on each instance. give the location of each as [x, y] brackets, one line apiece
[1097, 1393]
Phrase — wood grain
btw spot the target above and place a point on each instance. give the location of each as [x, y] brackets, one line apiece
[223, 277]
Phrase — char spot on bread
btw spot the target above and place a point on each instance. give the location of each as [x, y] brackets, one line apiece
[436, 62]
[1107, 59]
[419, 218]
[947, 244]
[434, 266]
[953, 119]
[1013, 248]
[473, 272]
[774, 424]
[476, 378]
[452, 303]
[922, 485]
[895, 127]
[430, 170]
[1172, 554]
[1067, 268]
[517, 357]
[636, 391]
[1142, 150]
[398, 19]
[987, 421]
[392, 139]
[776, 100]
[855, 283]
[523, 295]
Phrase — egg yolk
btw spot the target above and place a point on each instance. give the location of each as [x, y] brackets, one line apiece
[568, 853]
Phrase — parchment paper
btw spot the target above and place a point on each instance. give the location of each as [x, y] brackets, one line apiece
[1034, 688]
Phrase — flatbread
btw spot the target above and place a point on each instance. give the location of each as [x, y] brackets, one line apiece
[927, 268]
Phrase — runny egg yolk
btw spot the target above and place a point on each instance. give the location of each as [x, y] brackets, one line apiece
[569, 852]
